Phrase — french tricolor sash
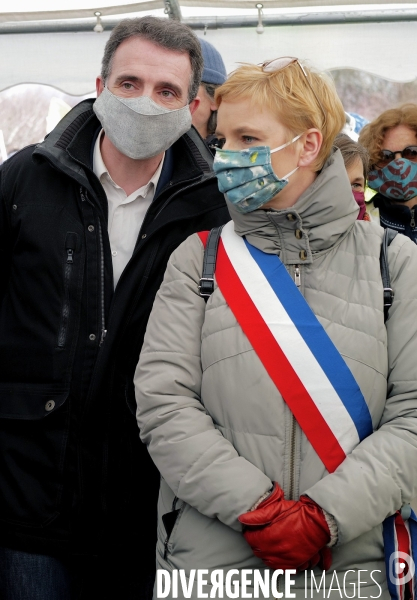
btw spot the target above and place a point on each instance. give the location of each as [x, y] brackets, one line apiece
[301, 359]
[294, 348]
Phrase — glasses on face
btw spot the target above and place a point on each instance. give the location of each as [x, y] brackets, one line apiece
[386, 156]
[278, 64]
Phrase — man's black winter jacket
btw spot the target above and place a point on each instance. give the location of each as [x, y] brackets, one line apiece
[72, 469]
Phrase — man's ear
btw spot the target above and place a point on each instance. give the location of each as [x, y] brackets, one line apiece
[194, 104]
[99, 86]
[312, 141]
[213, 106]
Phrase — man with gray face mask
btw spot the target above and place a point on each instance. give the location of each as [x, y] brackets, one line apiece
[88, 220]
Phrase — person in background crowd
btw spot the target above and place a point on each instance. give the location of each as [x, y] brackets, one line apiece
[349, 127]
[360, 121]
[391, 140]
[88, 219]
[214, 74]
[356, 159]
[354, 124]
[265, 461]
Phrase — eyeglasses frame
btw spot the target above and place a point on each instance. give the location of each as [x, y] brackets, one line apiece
[394, 153]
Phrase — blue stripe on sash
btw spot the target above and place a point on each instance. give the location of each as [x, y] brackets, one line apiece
[316, 339]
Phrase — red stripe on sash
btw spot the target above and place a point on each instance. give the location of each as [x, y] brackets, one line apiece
[277, 364]
[203, 235]
[403, 545]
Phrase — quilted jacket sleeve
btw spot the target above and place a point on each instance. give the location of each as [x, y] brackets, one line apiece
[197, 462]
[381, 473]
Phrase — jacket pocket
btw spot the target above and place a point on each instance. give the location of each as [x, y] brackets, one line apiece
[34, 426]
[171, 521]
[70, 249]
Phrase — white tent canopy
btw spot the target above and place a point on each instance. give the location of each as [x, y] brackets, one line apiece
[28, 10]
[70, 61]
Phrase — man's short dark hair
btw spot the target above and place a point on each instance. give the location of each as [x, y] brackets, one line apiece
[166, 33]
[212, 122]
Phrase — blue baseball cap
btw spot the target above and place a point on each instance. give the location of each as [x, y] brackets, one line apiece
[214, 70]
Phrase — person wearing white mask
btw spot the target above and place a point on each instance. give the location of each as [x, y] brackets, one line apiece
[88, 220]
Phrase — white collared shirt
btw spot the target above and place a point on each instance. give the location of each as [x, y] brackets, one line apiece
[126, 213]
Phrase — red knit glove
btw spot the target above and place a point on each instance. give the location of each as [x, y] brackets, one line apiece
[288, 534]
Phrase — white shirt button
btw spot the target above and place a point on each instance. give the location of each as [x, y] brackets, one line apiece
[114, 253]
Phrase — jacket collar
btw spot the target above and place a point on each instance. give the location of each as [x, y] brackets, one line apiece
[399, 213]
[319, 219]
[68, 148]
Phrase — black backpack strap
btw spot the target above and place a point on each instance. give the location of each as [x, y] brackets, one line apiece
[389, 235]
[206, 286]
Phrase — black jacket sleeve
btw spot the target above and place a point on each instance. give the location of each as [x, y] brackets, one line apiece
[5, 245]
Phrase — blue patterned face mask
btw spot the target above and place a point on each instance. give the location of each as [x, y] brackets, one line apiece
[246, 176]
[396, 181]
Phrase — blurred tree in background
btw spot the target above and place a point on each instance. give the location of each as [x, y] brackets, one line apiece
[24, 110]
[369, 95]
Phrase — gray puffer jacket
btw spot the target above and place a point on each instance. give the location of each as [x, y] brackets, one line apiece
[218, 429]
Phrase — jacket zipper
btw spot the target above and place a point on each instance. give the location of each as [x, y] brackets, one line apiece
[102, 306]
[70, 245]
[292, 457]
[84, 197]
[297, 281]
[297, 276]
[413, 221]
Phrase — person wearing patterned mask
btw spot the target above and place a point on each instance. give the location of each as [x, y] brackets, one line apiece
[282, 412]
[391, 140]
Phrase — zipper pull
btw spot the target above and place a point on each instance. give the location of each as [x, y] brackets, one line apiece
[297, 276]
[103, 335]
[83, 194]
[413, 221]
[70, 255]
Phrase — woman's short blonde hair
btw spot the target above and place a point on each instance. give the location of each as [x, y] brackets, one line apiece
[287, 94]
[373, 134]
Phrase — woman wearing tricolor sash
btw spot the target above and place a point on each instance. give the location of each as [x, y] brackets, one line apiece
[282, 412]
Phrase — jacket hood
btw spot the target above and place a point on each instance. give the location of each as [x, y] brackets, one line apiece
[323, 214]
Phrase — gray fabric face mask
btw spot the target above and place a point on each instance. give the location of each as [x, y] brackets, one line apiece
[138, 127]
